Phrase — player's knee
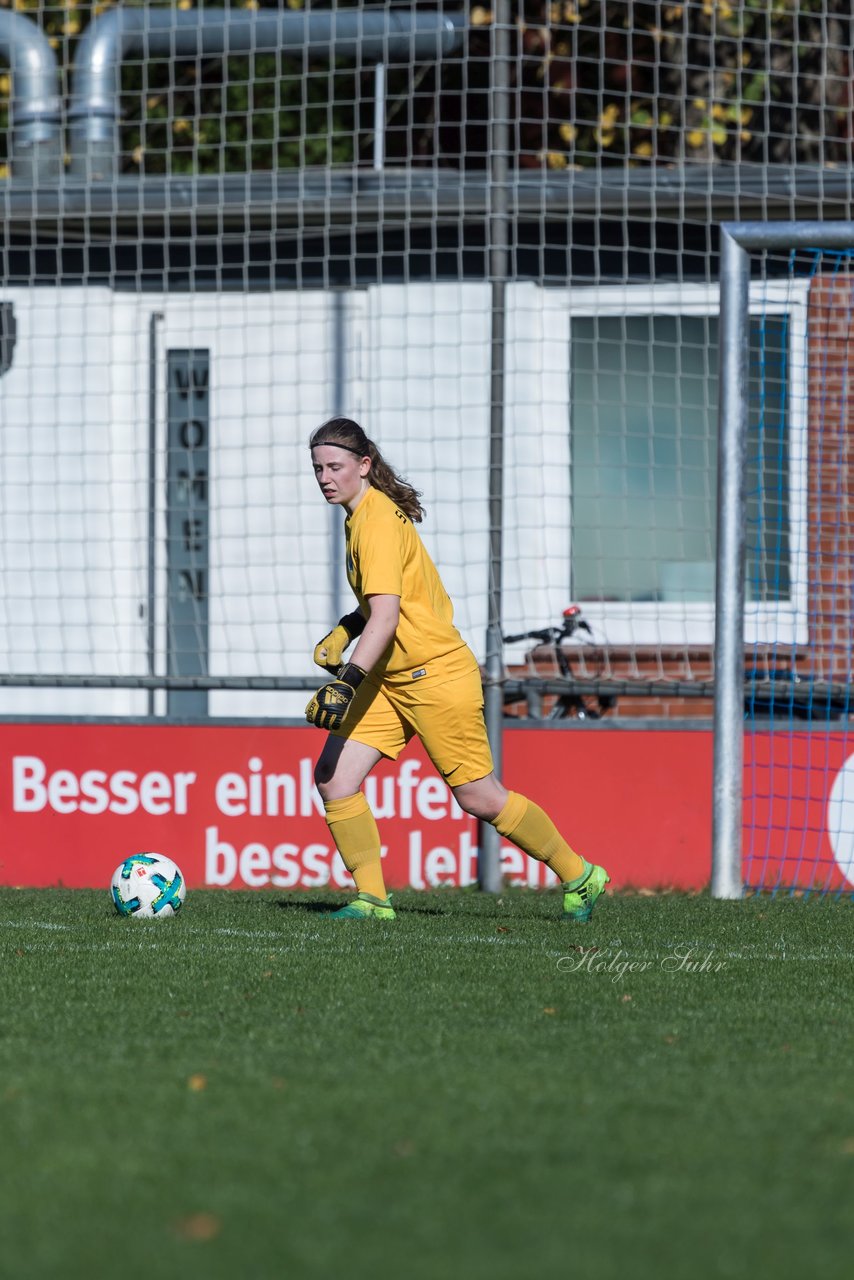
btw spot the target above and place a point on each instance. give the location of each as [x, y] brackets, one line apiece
[481, 802]
[483, 812]
[470, 805]
[332, 787]
[324, 772]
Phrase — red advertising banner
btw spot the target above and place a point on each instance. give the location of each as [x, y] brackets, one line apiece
[235, 805]
[798, 812]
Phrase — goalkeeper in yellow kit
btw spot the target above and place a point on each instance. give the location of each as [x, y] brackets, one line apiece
[411, 673]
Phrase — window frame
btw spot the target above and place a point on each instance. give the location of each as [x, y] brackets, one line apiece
[680, 623]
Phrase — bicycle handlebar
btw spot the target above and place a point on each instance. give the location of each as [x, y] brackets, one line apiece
[548, 635]
[572, 622]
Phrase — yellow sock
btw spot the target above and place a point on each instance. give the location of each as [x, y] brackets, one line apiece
[529, 827]
[354, 830]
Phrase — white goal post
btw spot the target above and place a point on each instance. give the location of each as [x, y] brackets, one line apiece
[738, 240]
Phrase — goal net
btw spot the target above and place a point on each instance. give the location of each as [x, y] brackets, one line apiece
[222, 226]
[796, 831]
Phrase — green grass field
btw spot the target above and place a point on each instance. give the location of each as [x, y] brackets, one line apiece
[473, 1091]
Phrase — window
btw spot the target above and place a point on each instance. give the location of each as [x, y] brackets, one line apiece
[643, 439]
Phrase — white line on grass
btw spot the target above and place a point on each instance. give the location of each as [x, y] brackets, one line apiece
[278, 937]
[265, 939]
[36, 924]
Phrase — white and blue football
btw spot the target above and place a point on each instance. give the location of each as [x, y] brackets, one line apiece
[148, 886]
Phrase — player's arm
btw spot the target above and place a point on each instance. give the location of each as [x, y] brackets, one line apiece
[379, 631]
[330, 704]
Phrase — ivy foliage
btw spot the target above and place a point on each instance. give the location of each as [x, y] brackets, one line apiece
[593, 83]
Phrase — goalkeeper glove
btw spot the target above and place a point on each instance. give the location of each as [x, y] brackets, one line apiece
[331, 703]
[329, 652]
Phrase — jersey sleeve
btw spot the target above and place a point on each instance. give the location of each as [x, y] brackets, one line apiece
[380, 554]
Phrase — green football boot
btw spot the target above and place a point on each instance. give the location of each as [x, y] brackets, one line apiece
[364, 907]
[579, 901]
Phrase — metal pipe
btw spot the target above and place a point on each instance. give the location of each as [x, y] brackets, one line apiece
[729, 587]
[790, 235]
[379, 117]
[489, 841]
[35, 149]
[371, 35]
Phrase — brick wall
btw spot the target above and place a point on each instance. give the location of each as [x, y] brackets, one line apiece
[831, 476]
[651, 664]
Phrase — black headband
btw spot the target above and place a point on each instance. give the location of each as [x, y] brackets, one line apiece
[318, 444]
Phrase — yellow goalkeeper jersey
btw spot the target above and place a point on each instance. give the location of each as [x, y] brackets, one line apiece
[385, 556]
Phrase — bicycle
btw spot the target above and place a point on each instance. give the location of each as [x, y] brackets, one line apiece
[568, 703]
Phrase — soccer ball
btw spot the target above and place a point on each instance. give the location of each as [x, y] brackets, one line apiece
[147, 886]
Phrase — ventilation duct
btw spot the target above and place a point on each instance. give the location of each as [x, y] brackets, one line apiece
[370, 35]
[35, 134]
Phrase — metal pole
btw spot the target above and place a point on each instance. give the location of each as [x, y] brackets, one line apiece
[339, 384]
[791, 235]
[379, 116]
[151, 620]
[489, 841]
[729, 590]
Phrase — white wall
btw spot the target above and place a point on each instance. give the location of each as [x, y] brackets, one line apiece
[74, 465]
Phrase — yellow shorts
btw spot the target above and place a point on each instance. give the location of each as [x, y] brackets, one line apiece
[443, 707]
